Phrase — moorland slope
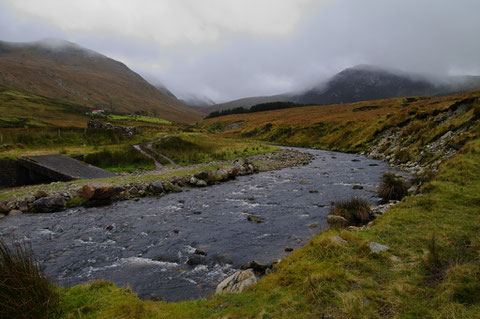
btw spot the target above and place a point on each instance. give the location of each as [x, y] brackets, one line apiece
[67, 71]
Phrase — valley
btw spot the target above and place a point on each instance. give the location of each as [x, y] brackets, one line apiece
[361, 204]
[331, 271]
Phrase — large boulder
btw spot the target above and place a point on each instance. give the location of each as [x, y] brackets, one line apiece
[201, 175]
[49, 204]
[217, 176]
[197, 182]
[97, 191]
[157, 187]
[237, 282]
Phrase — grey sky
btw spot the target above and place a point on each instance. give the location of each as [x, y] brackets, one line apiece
[227, 49]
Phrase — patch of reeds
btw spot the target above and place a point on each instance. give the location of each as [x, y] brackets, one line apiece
[393, 187]
[25, 291]
[356, 210]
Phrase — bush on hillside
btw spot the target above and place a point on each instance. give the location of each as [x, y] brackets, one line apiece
[355, 210]
[25, 291]
[393, 187]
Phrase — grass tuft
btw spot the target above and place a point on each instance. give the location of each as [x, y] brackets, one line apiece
[356, 210]
[25, 291]
[393, 187]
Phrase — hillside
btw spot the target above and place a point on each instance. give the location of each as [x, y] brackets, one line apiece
[364, 83]
[404, 131]
[66, 71]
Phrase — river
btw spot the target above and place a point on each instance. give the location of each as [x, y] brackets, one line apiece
[179, 246]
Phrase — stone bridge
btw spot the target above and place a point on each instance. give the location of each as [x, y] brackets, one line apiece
[46, 169]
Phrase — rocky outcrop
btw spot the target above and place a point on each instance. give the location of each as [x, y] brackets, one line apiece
[393, 144]
[237, 282]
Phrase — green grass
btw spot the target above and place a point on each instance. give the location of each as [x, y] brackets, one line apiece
[198, 148]
[20, 109]
[344, 280]
[136, 118]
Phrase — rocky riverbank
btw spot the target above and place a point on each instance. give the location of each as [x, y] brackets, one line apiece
[71, 195]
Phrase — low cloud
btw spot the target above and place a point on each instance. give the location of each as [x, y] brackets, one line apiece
[228, 49]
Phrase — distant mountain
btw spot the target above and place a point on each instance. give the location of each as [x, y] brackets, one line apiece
[64, 70]
[247, 102]
[363, 83]
[366, 82]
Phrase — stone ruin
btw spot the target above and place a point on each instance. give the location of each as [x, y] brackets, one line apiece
[127, 131]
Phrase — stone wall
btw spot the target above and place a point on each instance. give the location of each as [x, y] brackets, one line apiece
[8, 172]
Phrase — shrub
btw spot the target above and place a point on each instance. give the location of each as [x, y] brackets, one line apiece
[393, 187]
[402, 156]
[356, 210]
[25, 291]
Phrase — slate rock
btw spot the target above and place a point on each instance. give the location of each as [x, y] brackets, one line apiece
[237, 282]
[377, 248]
[49, 204]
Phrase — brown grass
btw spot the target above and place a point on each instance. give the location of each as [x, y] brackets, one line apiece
[392, 188]
[356, 210]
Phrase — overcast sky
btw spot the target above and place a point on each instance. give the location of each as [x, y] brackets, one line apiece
[228, 49]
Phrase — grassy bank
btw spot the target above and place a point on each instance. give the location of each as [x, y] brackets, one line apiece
[414, 122]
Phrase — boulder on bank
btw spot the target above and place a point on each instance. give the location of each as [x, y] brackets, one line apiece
[97, 191]
[197, 182]
[3, 207]
[157, 187]
[337, 221]
[49, 204]
[217, 176]
[201, 175]
[237, 282]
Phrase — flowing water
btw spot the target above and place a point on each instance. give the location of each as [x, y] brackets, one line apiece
[179, 246]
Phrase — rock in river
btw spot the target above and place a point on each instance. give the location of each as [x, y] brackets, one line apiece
[254, 219]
